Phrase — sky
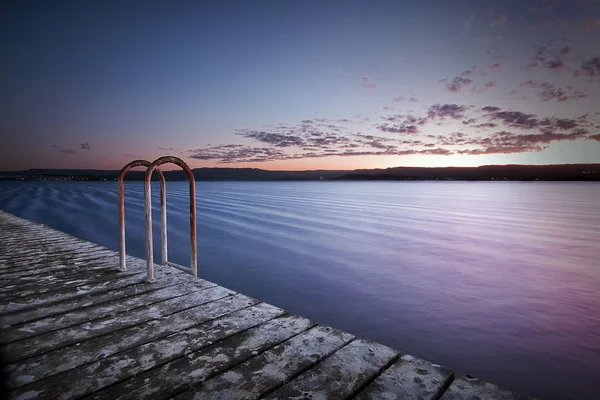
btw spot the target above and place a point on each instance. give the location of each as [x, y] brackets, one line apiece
[299, 84]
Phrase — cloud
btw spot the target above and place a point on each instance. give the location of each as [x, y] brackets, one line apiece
[490, 108]
[493, 130]
[497, 66]
[55, 145]
[443, 111]
[471, 71]
[589, 68]
[367, 82]
[548, 127]
[85, 146]
[68, 151]
[550, 55]
[401, 99]
[458, 83]
[547, 91]
[275, 139]
[506, 142]
[561, 94]
[402, 124]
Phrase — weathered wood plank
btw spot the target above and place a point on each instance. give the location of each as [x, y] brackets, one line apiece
[94, 349]
[469, 388]
[176, 376]
[58, 285]
[26, 298]
[342, 375]
[272, 368]
[32, 261]
[33, 300]
[71, 335]
[90, 314]
[90, 378]
[57, 270]
[409, 378]
[86, 300]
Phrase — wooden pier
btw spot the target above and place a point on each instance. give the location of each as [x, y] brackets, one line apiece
[74, 326]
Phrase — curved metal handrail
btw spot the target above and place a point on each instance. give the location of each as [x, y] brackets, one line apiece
[148, 209]
[121, 206]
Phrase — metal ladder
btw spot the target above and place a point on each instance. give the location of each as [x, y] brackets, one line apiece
[150, 168]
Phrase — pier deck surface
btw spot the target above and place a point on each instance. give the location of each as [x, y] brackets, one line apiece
[73, 326]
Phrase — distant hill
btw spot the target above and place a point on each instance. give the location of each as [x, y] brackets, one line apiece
[558, 172]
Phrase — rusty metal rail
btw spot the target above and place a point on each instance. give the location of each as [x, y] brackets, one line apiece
[150, 168]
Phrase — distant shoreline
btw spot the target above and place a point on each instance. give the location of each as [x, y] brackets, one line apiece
[558, 172]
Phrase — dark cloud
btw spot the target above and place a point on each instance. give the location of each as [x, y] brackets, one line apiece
[226, 154]
[275, 139]
[555, 64]
[402, 124]
[547, 91]
[549, 128]
[506, 142]
[85, 146]
[458, 83]
[590, 68]
[443, 111]
[490, 108]
[561, 94]
[486, 125]
[551, 55]
[55, 145]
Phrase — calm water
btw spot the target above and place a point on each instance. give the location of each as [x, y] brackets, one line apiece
[497, 279]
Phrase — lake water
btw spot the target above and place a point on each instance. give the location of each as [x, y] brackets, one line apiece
[500, 280]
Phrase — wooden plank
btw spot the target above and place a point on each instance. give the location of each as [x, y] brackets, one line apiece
[176, 376]
[58, 270]
[97, 348]
[342, 375]
[34, 300]
[57, 285]
[93, 313]
[409, 378]
[37, 260]
[31, 298]
[272, 368]
[71, 335]
[467, 388]
[86, 300]
[87, 379]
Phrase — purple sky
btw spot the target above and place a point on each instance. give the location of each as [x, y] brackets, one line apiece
[299, 84]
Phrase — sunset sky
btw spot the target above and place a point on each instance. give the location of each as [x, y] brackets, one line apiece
[299, 84]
